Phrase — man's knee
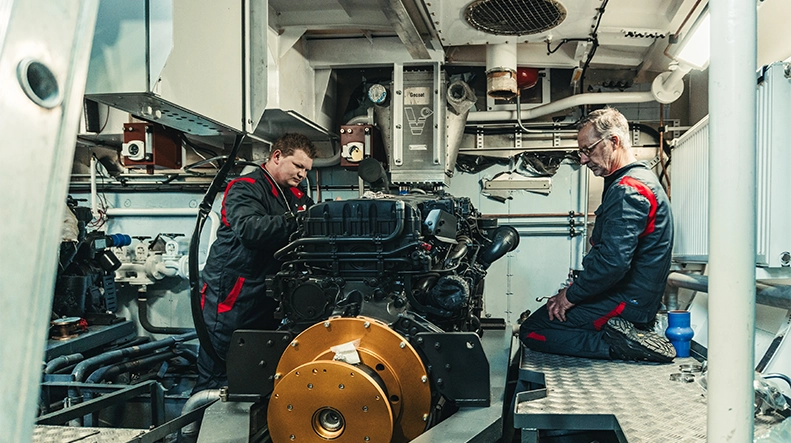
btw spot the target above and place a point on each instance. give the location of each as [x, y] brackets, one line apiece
[529, 331]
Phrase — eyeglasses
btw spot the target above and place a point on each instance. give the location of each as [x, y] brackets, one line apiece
[589, 149]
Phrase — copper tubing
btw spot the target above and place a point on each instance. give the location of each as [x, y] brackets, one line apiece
[542, 215]
[680, 27]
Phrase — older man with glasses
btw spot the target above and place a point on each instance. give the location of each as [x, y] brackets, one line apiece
[609, 310]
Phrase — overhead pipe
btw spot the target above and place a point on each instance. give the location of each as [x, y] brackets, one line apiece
[666, 88]
[732, 221]
[559, 105]
[501, 70]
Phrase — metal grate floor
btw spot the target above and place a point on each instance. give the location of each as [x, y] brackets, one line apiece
[648, 406]
[66, 434]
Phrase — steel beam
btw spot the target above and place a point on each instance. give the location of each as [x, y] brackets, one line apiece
[44, 53]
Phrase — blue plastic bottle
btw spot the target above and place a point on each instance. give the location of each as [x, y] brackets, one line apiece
[679, 332]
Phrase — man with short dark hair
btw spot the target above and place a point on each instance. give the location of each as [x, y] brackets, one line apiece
[258, 216]
[609, 310]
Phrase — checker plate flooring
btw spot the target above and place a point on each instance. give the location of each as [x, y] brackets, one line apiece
[649, 407]
[66, 434]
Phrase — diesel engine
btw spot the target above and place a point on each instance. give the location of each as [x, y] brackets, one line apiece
[385, 257]
[380, 300]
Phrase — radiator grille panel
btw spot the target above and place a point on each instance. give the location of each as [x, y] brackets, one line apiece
[690, 179]
[690, 197]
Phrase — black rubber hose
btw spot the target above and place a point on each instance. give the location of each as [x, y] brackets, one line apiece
[203, 212]
[86, 367]
[142, 315]
[134, 365]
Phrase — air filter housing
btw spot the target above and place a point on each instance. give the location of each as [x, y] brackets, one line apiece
[514, 17]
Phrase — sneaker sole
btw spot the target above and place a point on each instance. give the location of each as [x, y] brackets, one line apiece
[636, 344]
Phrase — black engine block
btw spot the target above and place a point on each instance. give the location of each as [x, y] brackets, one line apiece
[423, 254]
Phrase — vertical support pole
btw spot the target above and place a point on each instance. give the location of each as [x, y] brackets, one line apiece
[732, 220]
[44, 53]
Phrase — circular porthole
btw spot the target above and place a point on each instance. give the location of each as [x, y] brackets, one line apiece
[39, 83]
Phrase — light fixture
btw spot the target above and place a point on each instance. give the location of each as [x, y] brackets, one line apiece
[695, 47]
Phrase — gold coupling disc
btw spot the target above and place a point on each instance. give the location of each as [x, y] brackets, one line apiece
[328, 400]
[390, 356]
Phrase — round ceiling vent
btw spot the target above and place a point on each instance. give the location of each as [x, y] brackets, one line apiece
[514, 17]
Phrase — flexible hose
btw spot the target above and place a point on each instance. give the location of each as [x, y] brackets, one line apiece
[203, 212]
[142, 315]
[82, 369]
[110, 372]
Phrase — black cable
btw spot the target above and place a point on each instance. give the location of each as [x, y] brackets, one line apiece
[203, 212]
[551, 51]
[199, 149]
[203, 162]
[595, 40]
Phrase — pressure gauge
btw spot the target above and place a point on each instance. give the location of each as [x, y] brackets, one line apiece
[377, 93]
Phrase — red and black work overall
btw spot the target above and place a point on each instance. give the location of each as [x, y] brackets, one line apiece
[624, 273]
[257, 220]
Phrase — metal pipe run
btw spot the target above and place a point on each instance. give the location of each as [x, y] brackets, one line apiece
[538, 215]
[61, 362]
[208, 396]
[775, 296]
[560, 105]
[732, 221]
[154, 212]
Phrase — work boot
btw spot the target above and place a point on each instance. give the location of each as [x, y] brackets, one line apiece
[629, 343]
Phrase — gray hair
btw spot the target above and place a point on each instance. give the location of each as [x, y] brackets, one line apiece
[608, 122]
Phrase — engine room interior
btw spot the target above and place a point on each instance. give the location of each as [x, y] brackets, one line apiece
[491, 221]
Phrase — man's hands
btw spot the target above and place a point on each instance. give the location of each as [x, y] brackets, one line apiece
[557, 306]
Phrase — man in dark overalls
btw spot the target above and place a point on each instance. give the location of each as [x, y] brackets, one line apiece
[258, 216]
[609, 310]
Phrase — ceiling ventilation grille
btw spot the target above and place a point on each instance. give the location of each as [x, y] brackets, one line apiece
[514, 17]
